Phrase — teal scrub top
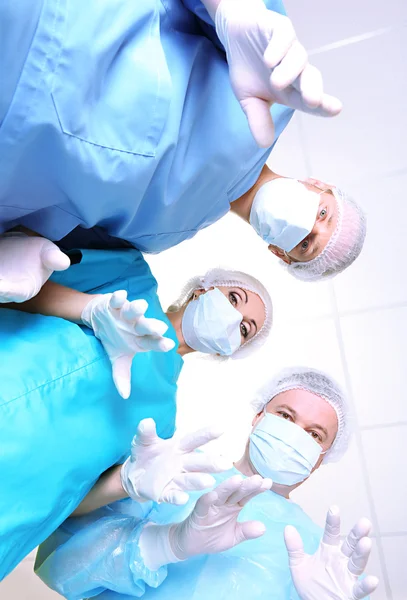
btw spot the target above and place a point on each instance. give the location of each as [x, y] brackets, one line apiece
[120, 115]
[62, 422]
[98, 555]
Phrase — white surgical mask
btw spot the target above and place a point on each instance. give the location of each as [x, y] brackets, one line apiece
[282, 450]
[283, 212]
[211, 324]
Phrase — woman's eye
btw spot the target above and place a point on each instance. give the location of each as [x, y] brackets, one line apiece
[243, 330]
[233, 298]
[304, 244]
[323, 213]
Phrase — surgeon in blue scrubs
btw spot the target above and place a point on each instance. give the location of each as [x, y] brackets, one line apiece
[62, 421]
[125, 115]
[230, 545]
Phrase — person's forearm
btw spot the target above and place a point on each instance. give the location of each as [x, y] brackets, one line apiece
[107, 490]
[54, 300]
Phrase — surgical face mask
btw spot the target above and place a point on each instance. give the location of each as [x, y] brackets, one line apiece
[211, 324]
[282, 450]
[283, 212]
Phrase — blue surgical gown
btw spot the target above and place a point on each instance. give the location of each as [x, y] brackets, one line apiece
[99, 554]
[62, 422]
[120, 114]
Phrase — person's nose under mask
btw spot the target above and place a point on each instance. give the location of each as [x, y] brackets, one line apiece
[210, 324]
[282, 450]
[283, 212]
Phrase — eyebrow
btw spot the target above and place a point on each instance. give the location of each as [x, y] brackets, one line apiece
[252, 321]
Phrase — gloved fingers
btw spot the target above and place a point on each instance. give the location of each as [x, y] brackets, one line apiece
[359, 559]
[173, 496]
[294, 545]
[165, 344]
[204, 504]
[311, 86]
[15, 291]
[265, 486]
[360, 530]
[133, 310]
[143, 326]
[261, 124]
[145, 436]
[330, 106]
[249, 486]
[332, 531]
[249, 530]
[199, 438]
[203, 462]
[225, 489]
[121, 371]
[53, 258]
[193, 481]
[365, 587]
[282, 38]
[290, 68]
[151, 343]
[117, 299]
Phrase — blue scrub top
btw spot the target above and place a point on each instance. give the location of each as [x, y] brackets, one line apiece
[62, 422]
[121, 116]
[98, 554]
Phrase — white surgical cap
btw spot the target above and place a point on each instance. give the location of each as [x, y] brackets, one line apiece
[230, 278]
[320, 384]
[344, 246]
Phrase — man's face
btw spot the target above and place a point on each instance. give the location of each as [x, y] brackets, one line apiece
[325, 224]
[310, 412]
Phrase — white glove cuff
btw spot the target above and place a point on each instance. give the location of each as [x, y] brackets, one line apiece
[86, 316]
[155, 547]
[232, 7]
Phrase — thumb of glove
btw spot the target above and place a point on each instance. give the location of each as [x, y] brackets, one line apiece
[121, 371]
[294, 545]
[259, 118]
[52, 258]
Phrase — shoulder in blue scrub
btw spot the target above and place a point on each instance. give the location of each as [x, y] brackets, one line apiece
[62, 422]
[138, 132]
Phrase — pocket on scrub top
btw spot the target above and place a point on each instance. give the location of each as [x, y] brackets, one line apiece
[112, 87]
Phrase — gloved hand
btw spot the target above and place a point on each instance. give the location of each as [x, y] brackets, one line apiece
[165, 470]
[212, 526]
[124, 331]
[25, 265]
[332, 572]
[267, 64]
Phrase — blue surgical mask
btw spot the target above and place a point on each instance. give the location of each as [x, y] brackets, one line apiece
[282, 450]
[283, 212]
[211, 324]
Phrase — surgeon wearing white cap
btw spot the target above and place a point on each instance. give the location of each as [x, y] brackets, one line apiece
[128, 549]
[88, 148]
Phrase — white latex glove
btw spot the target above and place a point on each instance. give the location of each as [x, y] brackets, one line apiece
[165, 470]
[124, 332]
[212, 526]
[268, 64]
[332, 572]
[26, 262]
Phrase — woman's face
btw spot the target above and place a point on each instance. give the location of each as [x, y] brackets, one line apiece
[249, 305]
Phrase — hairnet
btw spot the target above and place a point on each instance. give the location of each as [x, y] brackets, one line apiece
[230, 278]
[342, 249]
[317, 383]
